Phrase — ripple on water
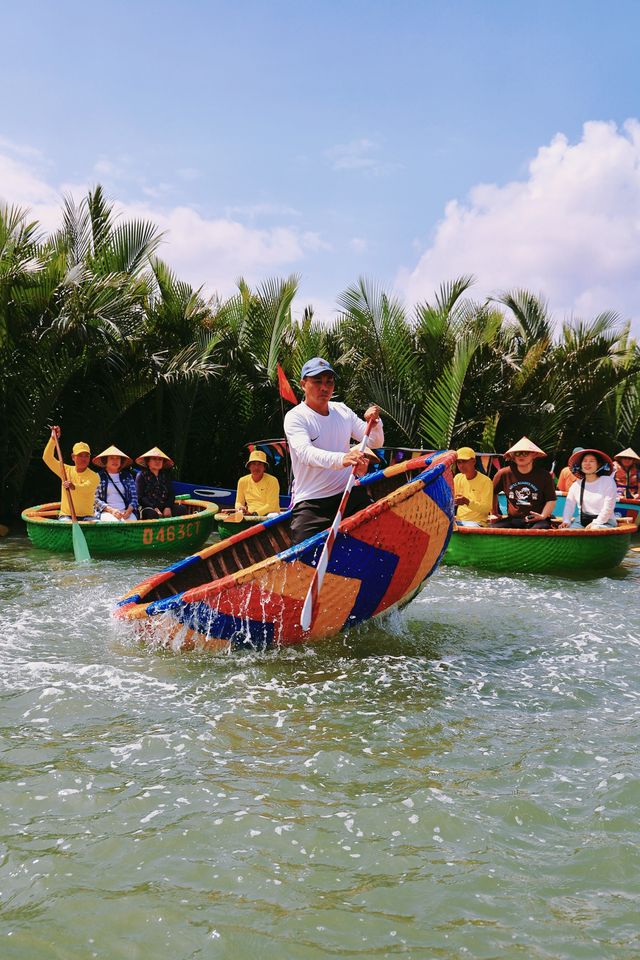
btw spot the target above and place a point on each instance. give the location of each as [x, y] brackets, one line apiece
[457, 779]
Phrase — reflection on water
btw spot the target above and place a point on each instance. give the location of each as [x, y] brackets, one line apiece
[459, 780]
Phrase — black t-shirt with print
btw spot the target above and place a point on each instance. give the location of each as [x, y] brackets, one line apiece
[525, 491]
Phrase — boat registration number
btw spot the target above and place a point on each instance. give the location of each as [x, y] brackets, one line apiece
[162, 534]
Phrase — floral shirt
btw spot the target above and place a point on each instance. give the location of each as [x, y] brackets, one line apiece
[155, 491]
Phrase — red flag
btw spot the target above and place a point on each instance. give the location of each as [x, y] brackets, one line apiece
[285, 387]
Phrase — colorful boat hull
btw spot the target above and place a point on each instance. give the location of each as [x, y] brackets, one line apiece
[539, 551]
[381, 558]
[167, 535]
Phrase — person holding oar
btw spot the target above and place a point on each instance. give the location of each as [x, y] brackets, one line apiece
[79, 482]
[319, 433]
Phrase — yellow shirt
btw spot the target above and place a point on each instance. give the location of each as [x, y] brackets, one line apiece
[479, 493]
[260, 498]
[85, 484]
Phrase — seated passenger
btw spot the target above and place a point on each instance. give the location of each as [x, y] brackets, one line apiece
[627, 474]
[473, 491]
[81, 481]
[258, 492]
[153, 484]
[116, 496]
[567, 476]
[530, 491]
[594, 493]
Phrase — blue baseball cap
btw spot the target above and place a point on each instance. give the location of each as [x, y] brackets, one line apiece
[315, 366]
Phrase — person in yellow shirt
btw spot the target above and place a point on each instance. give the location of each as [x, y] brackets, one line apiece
[81, 481]
[472, 491]
[258, 492]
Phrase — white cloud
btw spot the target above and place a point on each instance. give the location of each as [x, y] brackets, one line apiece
[570, 231]
[355, 155]
[358, 244]
[209, 251]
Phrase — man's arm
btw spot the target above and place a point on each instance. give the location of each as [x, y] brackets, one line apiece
[50, 459]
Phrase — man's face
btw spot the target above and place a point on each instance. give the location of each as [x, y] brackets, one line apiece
[319, 388]
[625, 462]
[523, 458]
[257, 471]
[81, 461]
[466, 466]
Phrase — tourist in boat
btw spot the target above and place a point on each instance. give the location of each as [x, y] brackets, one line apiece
[258, 492]
[593, 494]
[116, 496]
[153, 484]
[567, 476]
[473, 491]
[529, 489]
[319, 433]
[81, 480]
[627, 474]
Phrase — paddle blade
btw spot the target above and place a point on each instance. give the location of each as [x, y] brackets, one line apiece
[80, 548]
[307, 612]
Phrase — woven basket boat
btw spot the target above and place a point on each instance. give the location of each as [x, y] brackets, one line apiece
[170, 534]
[249, 590]
[230, 522]
[539, 551]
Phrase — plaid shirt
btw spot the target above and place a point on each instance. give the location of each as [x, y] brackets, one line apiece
[126, 486]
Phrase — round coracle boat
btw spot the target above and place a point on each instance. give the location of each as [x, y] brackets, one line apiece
[167, 534]
[230, 522]
[249, 591]
[538, 551]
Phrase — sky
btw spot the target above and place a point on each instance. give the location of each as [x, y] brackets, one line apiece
[409, 142]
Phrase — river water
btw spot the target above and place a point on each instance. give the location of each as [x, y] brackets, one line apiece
[461, 781]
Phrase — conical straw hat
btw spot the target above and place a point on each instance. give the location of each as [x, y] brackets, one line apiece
[526, 445]
[575, 461]
[627, 453]
[154, 452]
[101, 459]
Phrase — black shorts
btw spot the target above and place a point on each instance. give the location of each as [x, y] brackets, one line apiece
[311, 516]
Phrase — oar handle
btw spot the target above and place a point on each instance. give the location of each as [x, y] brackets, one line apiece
[63, 469]
[313, 593]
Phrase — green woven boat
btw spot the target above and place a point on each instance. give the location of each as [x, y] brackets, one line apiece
[230, 522]
[539, 551]
[167, 535]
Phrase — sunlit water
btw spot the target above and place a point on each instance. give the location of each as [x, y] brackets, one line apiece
[459, 782]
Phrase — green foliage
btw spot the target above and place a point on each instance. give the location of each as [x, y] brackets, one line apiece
[98, 334]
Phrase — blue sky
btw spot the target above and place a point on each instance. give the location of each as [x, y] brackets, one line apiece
[343, 139]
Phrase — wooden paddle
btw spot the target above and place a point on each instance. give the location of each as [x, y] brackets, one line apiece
[313, 593]
[80, 548]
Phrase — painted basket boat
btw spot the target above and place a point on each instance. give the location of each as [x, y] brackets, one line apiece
[539, 551]
[170, 534]
[249, 590]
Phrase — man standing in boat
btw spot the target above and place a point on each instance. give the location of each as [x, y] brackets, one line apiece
[319, 433]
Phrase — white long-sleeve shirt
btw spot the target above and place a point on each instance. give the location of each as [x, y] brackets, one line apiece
[317, 445]
[599, 499]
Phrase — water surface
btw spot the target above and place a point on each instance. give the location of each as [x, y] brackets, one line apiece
[460, 781]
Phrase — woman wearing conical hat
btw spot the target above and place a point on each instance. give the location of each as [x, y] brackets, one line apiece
[593, 496]
[155, 490]
[529, 488]
[116, 496]
[627, 475]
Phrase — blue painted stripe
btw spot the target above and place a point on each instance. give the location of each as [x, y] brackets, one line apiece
[241, 632]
